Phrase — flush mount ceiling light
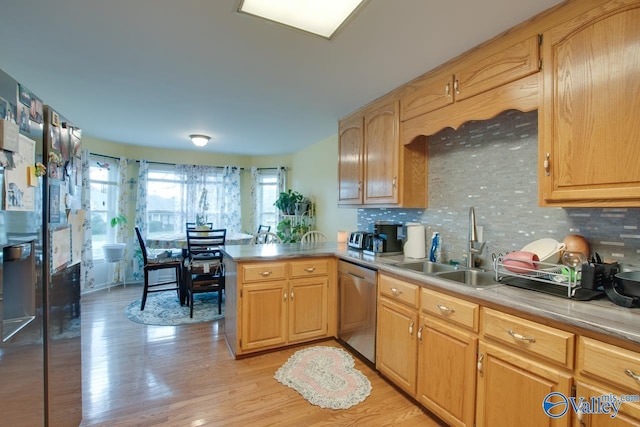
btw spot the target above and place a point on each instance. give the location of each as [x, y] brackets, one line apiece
[199, 140]
[321, 17]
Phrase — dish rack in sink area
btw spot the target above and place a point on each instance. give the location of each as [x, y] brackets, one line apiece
[549, 278]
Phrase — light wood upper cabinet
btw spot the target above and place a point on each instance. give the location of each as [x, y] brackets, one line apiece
[478, 72]
[350, 160]
[374, 167]
[381, 146]
[589, 130]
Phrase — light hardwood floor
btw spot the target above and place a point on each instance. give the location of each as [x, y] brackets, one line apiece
[138, 375]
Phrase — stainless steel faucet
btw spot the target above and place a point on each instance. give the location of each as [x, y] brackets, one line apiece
[473, 238]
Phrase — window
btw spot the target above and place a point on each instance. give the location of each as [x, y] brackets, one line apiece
[172, 197]
[103, 180]
[266, 195]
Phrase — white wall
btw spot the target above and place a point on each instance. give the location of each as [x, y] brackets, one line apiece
[314, 172]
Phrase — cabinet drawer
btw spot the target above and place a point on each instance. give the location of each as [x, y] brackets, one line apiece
[609, 363]
[264, 271]
[454, 309]
[544, 341]
[398, 290]
[309, 267]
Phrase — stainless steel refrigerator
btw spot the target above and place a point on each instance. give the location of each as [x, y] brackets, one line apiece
[40, 349]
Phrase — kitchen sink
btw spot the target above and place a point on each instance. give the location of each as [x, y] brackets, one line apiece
[475, 278]
[427, 267]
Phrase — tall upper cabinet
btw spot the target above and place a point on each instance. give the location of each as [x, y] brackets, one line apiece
[589, 131]
[374, 168]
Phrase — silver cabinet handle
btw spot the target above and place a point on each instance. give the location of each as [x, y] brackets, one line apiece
[420, 332]
[411, 328]
[455, 87]
[632, 374]
[521, 337]
[395, 291]
[285, 295]
[266, 273]
[447, 90]
[291, 295]
[310, 269]
[480, 367]
[445, 309]
[395, 182]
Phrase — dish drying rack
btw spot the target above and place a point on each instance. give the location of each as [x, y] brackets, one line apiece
[553, 274]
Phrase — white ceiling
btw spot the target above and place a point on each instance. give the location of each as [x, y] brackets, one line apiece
[151, 72]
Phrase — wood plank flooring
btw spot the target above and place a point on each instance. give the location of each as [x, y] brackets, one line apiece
[138, 375]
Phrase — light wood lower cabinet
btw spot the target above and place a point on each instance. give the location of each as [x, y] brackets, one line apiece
[628, 414]
[446, 371]
[512, 387]
[281, 303]
[396, 343]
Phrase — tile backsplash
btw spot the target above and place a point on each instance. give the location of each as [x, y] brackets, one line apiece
[492, 166]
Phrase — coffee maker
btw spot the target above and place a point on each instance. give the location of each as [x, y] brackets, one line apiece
[385, 240]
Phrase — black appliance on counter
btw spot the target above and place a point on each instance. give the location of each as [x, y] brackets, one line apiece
[385, 240]
[40, 349]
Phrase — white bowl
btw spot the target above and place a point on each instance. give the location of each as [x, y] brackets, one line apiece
[547, 249]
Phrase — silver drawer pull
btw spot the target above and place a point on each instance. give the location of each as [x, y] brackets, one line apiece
[632, 374]
[521, 337]
[395, 291]
[411, 328]
[310, 269]
[266, 273]
[445, 309]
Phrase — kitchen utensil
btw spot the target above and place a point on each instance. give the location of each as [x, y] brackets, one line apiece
[624, 288]
[547, 249]
[522, 262]
[574, 259]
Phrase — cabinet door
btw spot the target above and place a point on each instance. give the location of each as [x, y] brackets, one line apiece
[447, 371]
[588, 128]
[628, 415]
[264, 315]
[396, 344]
[511, 389]
[508, 65]
[427, 93]
[381, 147]
[308, 308]
[350, 161]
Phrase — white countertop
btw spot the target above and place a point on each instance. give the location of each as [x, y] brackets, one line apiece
[601, 316]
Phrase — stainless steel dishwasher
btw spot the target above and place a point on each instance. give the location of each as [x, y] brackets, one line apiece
[357, 287]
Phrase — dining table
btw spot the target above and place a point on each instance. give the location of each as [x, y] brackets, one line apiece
[179, 240]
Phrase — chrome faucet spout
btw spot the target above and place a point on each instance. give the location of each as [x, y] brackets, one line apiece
[473, 238]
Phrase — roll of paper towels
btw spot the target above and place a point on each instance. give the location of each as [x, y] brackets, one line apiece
[415, 246]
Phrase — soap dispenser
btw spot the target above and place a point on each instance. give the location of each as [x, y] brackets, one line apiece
[434, 254]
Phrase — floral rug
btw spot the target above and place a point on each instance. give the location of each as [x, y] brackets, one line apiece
[326, 377]
[163, 309]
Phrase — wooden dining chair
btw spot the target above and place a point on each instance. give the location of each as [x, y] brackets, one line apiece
[265, 237]
[313, 237]
[203, 267]
[151, 263]
[193, 225]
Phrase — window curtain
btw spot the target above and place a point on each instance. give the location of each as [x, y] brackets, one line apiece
[87, 279]
[282, 187]
[122, 230]
[141, 219]
[253, 225]
[223, 195]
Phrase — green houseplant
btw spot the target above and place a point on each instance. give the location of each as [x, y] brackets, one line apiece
[115, 251]
[286, 201]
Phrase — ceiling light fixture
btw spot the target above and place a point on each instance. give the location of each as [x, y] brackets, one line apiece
[320, 17]
[199, 140]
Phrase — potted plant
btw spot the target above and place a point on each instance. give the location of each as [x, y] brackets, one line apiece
[302, 206]
[115, 251]
[286, 201]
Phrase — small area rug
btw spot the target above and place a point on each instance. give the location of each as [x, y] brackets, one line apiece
[326, 377]
[163, 309]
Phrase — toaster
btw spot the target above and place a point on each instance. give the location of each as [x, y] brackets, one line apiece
[357, 239]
